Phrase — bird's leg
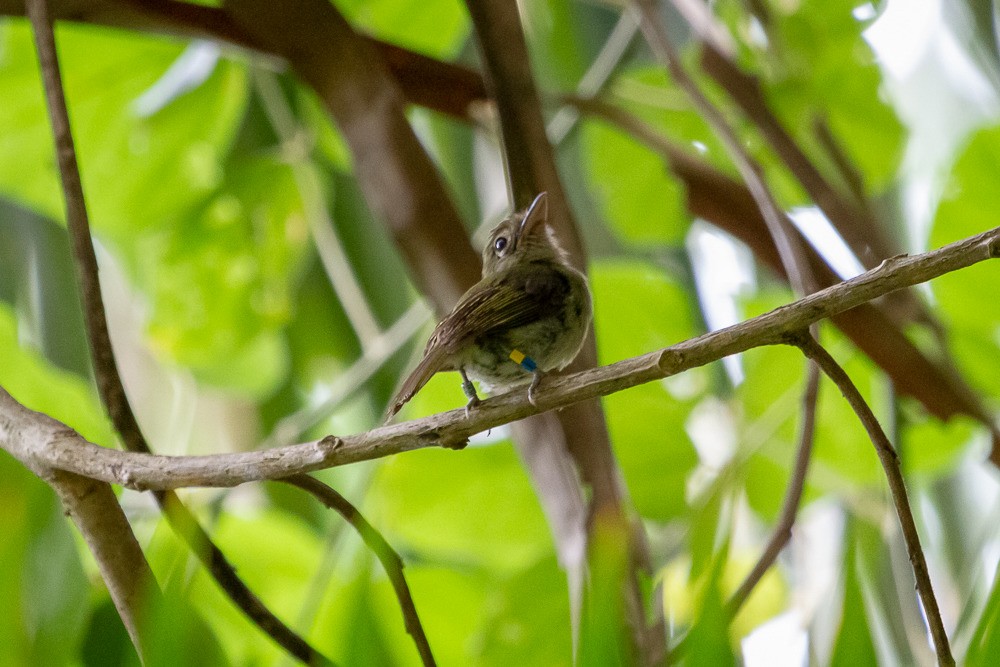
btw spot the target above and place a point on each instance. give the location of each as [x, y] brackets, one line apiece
[535, 381]
[470, 392]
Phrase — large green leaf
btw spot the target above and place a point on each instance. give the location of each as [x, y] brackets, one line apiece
[149, 144]
[221, 281]
[965, 303]
[640, 198]
[473, 506]
[819, 68]
[275, 554]
[61, 395]
[42, 583]
[637, 310]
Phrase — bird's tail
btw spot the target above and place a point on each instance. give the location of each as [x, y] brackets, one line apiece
[418, 377]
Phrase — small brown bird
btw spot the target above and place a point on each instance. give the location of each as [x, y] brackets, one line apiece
[527, 315]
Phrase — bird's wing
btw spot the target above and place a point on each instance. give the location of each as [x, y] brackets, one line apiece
[498, 306]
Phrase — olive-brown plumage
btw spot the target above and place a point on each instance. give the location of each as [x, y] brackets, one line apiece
[527, 315]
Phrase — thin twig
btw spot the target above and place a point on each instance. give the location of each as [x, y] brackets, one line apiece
[897, 488]
[390, 560]
[66, 450]
[332, 255]
[793, 256]
[109, 382]
[727, 204]
[793, 495]
[855, 224]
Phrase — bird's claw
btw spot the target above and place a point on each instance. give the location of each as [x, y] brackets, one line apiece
[473, 403]
[535, 381]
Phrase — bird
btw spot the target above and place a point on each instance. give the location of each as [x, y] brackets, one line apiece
[528, 315]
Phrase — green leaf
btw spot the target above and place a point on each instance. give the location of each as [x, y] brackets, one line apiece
[525, 619]
[854, 644]
[603, 634]
[55, 588]
[145, 153]
[37, 385]
[984, 646]
[42, 583]
[642, 200]
[819, 67]
[457, 607]
[222, 281]
[422, 502]
[708, 638]
[647, 422]
[970, 312]
[434, 27]
[274, 553]
[638, 308]
[40, 283]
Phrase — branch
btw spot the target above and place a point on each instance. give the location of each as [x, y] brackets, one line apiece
[94, 508]
[66, 450]
[791, 251]
[580, 432]
[390, 560]
[443, 86]
[728, 205]
[109, 383]
[793, 496]
[897, 488]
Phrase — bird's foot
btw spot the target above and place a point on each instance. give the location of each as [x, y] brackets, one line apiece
[535, 381]
[472, 404]
[469, 390]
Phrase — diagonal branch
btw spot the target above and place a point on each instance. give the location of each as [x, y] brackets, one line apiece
[793, 496]
[443, 86]
[93, 507]
[897, 488]
[109, 383]
[390, 560]
[65, 450]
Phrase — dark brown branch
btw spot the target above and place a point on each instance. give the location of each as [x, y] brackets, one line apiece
[791, 250]
[65, 450]
[897, 488]
[532, 169]
[390, 560]
[854, 223]
[436, 84]
[109, 384]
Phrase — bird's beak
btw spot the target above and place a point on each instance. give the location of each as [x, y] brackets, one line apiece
[536, 215]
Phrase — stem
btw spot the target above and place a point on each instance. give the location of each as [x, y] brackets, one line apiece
[897, 488]
[390, 560]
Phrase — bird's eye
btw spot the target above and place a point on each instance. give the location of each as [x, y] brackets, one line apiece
[500, 243]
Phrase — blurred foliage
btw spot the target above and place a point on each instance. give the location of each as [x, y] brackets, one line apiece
[208, 177]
